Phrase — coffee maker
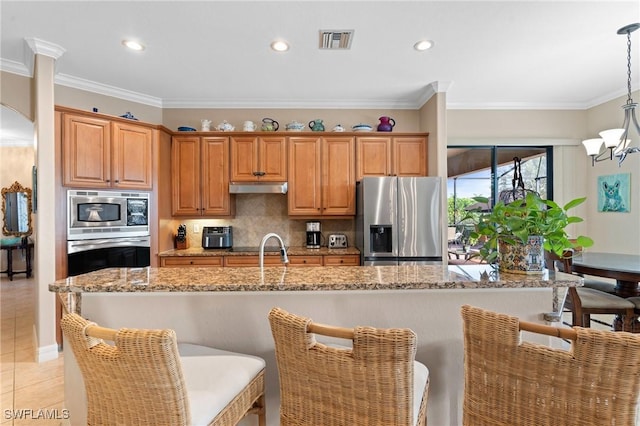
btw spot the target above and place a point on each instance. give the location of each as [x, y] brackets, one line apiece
[313, 234]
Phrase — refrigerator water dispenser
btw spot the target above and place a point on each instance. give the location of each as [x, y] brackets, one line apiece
[380, 238]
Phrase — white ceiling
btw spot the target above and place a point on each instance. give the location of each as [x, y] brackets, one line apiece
[501, 54]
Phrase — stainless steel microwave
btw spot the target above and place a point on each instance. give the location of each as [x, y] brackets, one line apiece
[106, 214]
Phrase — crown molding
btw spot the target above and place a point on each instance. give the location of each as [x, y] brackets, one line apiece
[46, 48]
[14, 67]
[105, 89]
[289, 104]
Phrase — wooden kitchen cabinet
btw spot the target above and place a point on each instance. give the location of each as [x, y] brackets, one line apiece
[200, 176]
[391, 156]
[297, 260]
[99, 153]
[258, 159]
[321, 176]
[345, 260]
[193, 261]
[241, 261]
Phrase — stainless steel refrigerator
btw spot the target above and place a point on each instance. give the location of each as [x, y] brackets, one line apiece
[398, 220]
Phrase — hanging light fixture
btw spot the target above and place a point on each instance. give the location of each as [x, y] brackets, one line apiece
[617, 140]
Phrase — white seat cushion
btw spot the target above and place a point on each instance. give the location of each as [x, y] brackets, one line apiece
[214, 377]
[420, 378]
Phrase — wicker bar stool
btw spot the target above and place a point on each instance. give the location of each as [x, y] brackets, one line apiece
[375, 382]
[147, 378]
[512, 382]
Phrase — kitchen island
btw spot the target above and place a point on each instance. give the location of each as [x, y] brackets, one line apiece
[227, 308]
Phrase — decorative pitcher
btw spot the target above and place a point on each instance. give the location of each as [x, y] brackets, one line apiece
[386, 124]
[316, 125]
[269, 125]
[249, 126]
[206, 125]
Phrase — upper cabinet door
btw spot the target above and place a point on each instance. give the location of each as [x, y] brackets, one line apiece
[132, 163]
[216, 200]
[256, 159]
[321, 176]
[410, 156]
[272, 158]
[86, 152]
[373, 156]
[338, 176]
[391, 156]
[98, 153]
[185, 176]
[305, 174]
[244, 158]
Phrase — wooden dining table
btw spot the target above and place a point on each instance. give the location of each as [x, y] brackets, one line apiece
[624, 268]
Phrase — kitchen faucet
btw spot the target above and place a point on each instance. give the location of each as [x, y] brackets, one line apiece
[283, 250]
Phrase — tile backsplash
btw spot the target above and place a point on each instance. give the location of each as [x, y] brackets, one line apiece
[259, 214]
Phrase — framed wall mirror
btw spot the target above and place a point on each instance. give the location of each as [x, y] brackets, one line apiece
[16, 210]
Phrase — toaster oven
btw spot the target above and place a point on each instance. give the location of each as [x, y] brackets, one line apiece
[214, 237]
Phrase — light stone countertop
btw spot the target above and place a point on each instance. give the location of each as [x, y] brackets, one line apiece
[277, 278]
[291, 251]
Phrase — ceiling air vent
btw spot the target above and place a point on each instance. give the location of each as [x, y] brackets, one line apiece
[336, 39]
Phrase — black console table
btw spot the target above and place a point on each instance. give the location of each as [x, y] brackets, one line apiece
[25, 245]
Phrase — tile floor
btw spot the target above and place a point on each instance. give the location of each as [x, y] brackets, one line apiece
[30, 389]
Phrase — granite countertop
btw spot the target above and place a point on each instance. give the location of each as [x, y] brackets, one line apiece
[291, 251]
[278, 278]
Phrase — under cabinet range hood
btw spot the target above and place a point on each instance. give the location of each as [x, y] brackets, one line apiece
[258, 188]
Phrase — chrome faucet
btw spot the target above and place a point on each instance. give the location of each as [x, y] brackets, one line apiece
[283, 250]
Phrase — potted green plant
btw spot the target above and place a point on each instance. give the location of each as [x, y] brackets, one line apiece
[517, 233]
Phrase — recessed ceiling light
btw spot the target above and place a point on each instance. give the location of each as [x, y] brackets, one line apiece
[280, 46]
[133, 45]
[423, 45]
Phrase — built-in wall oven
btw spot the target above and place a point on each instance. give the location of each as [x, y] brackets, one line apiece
[107, 229]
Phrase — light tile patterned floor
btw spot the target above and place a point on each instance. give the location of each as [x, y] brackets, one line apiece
[31, 390]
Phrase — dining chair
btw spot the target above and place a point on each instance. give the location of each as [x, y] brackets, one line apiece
[512, 382]
[147, 378]
[584, 302]
[373, 381]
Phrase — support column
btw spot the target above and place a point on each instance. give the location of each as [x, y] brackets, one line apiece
[45, 258]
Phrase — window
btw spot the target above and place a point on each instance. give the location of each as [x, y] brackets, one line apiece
[484, 171]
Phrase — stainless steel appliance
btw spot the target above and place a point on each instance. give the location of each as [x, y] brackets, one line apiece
[107, 229]
[106, 214]
[337, 241]
[217, 237]
[398, 220]
[314, 235]
[92, 255]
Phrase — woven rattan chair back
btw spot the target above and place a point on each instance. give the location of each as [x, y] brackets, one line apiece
[138, 381]
[370, 384]
[513, 382]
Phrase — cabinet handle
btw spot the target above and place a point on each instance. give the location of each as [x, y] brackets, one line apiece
[304, 261]
[259, 173]
[117, 181]
[341, 261]
[191, 262]
[108, 180]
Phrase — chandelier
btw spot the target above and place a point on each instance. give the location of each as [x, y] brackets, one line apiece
[617, 140]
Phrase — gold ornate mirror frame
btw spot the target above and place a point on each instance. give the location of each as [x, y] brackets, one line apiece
[23, 229]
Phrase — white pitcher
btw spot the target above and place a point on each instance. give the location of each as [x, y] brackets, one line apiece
[249, 126]
[206, 125]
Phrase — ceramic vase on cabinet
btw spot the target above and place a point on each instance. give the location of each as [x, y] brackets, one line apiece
[316, 125]
[386, 124]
